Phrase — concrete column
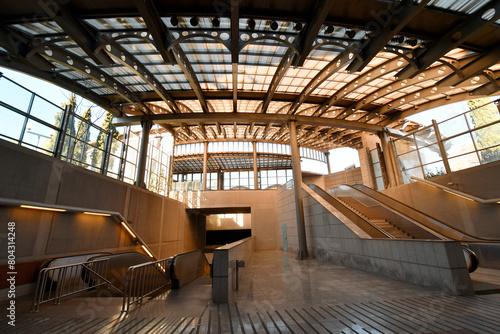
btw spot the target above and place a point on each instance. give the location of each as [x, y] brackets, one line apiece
[205, 165]
[220, 180]
[255, 170]
[143, 153]
[327, 157]
[297, 185]
[390, 162]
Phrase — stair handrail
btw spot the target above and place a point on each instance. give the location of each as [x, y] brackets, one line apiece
[458, 192]
[317, 189]
[478, 239]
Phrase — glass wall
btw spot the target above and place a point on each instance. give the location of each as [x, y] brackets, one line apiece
[30, 120]
[463, 141]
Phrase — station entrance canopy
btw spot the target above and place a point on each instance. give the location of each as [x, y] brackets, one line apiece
[242, 70]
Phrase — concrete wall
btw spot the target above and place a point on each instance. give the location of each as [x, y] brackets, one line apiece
[482, 220]
[224, 268]
[262, 204]
[433, 264]
[27, 175]
[325, 182]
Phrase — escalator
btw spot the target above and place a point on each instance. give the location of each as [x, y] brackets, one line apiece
[381, 216]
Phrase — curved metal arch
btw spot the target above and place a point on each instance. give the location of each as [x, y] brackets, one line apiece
[40, 46]
[182, 39]
[185, 106]
[402, 55]
[334, 66]
[465, 96]
[306, 109]
[430, 74]
[455, 69]
[375, 73]
[343, 46]
[277, 39]
[112, 40]
[140, 70]
[79, 65]
[420, 94]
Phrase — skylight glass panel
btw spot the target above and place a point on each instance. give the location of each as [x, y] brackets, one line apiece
[39, 28]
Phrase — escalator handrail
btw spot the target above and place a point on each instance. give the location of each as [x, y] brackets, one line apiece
[394, 211]
[321, 192]
[457, 192]
[477, 239]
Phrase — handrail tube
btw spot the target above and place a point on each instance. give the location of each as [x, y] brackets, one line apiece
[402, 215]
[144, 280]
[331, 200]
[426, 216]
[458, 192]
[77, 286]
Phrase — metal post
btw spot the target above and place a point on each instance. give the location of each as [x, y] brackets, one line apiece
[143, 153]
[441, 147]
[388, 158]
[255, 169]
[171, 170]
[220, 180]
[205, 164]
[106, 152]
[327, 158]
[61, 137]
[297, 184]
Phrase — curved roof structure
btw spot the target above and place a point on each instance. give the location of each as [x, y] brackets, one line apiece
[241, 69]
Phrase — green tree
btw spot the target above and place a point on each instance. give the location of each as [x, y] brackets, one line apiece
[107, 125]
[484, 112]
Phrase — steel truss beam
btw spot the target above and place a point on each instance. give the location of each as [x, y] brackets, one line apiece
[278, 76]
[467, 30]
[194, 118]
[309, 34]
[402, 13]
[83, 35]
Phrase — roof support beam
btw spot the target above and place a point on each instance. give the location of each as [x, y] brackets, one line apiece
[474, 68]
[156, 27]
[278, 75]
[85, 36]
[467, 30]
[122, 56]
[193, 118]
[308, 35]
[185, 66]
[235, 48]
[401, 13]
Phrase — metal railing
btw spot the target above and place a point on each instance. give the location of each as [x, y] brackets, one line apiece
[62, 281]
[458, 193]
[144, 280]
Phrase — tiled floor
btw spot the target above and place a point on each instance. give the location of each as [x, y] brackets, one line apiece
[278, 294]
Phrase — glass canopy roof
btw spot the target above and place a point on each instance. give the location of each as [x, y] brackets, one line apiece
[243, 70]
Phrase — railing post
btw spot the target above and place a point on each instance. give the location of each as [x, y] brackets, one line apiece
[61, 136]
[441, 147]
[106, 152]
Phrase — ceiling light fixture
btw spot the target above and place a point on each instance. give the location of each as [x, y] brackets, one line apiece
[174, 21]
[216, 22]
[194, 21]
[274, 25]
[251, 24]
[298, 26]
[329, 29]
[350, 33]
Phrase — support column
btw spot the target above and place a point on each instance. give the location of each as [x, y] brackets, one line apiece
[255, 170]
[143, 153]
[61, 137]
[297, 185]
[205, 164]
[390, 161]
[220, 180]
[327, 157]
[171, 170]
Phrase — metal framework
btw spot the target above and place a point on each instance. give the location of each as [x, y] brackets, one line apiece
[234, 70]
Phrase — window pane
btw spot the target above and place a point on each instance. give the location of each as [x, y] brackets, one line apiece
[377, 170]
[458, 145]
[426, 136]
[490, 154]
[14, 95]
[380, 183]
[488, 136]
[405, 145]
[11, 124]
[453, 126]
[463, 162]
[434, 170]
[40, 135]
[412, 172]
[430, 154]
[409, 160]
[483, 116]
[374, 156]
[46, 111]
